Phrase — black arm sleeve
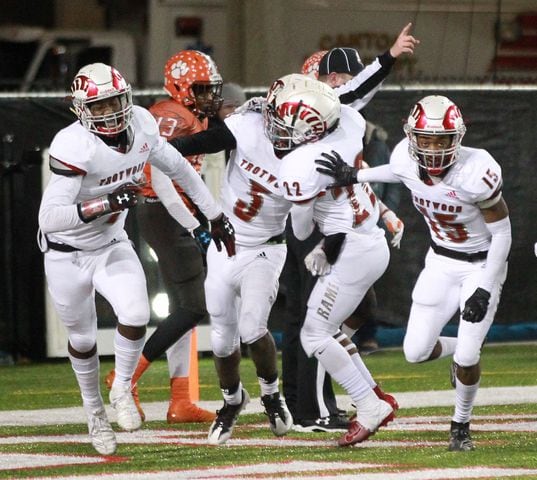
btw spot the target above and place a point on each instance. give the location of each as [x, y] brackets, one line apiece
[214, 140]
[386, 63]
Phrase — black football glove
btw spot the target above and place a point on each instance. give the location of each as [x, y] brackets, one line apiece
[476, 306]
[335, 167]
[203, 238]
[222, 231]
[125, 196]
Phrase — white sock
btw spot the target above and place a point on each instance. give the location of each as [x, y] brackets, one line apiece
[464, 401]
[448, 344]
[87, 376]
[233, 398]
[268, 388]
[127, 355]
[360, 365]
[356, 358]
[340, 366]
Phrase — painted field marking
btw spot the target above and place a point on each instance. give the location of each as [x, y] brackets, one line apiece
[279, 471]
[313, 471]
[10, 461]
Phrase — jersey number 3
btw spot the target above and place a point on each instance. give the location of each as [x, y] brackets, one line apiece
[248, 210]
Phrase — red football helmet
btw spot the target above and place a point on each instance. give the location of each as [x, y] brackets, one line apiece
[433, 117]
[192, 79]
[311, 64]
[93, 84]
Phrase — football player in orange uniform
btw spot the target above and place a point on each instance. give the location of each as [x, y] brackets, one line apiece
[194, 86]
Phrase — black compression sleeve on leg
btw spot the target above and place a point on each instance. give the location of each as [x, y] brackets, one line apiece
[332, 246]
[169, 331]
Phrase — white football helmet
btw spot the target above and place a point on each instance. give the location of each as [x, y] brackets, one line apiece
[435, 115]
[298, 110]
[94, 83]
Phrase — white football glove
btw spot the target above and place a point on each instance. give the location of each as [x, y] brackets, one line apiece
[316, 262]
[254, 104]
[395, 226]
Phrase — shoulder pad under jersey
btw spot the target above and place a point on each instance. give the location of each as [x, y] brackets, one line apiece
[145, 121]
[174, 120]
[481, 174]
[71, 150]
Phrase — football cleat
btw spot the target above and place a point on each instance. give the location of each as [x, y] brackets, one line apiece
[280, 418]
[226, 418]
[109, 380]
[121, 400]
[460, 439]
[101, 434]
[358, 433]
[386, 397]
[183, 411]
[332, 423]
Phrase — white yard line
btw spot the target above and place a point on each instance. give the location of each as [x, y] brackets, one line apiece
[157, 410]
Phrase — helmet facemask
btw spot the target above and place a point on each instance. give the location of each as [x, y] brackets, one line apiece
[438, 159]
[207, 98]
[284, 135]
[108, 123]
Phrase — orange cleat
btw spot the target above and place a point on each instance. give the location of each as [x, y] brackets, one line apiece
[181, 409]
[109, 379]
[136, 398]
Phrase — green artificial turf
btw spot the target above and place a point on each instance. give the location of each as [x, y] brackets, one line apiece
[52, 384]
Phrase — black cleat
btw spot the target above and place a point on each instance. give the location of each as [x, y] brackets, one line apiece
[226, 417]
[333, 423]
[460, 439]
[280, 418]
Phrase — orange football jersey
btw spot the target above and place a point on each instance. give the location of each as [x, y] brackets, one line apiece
[174, 120]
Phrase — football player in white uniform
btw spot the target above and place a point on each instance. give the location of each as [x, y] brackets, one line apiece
[240, 291]
[96, 164]
[303, 119]
[458, 190]
[304, 381]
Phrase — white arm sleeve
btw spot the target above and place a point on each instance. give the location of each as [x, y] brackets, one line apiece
[500, 246]
[302, 220]
[177, 167]
[381, 174]
[58, 210]
[166, 192]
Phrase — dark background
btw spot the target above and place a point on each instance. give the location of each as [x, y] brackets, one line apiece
[501, 121]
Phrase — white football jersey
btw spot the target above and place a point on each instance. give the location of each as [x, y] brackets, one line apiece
[450, 207]
[77, 153]
[349, 209]
[250, 194]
